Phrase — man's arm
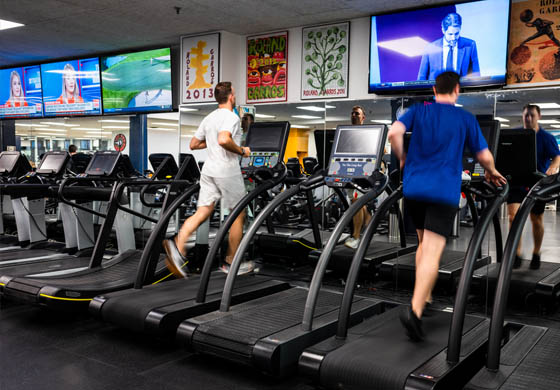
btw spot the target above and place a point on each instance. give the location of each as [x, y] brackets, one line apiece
[197, 144]
[396, 139]
[486, 159]
[226, 142]
[554, 165]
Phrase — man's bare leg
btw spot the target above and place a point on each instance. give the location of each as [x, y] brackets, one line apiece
[358, 221]
[538, 232]
[235, 236]
[190, 225]
[367, 216]
[427, 268]
[512, 209]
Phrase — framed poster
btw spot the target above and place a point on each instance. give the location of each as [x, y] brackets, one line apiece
[200, 64]
[267, 68]
[534, 44]
[324, 61]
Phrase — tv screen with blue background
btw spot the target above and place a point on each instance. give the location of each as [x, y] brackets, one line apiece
[137, 82]
[71, 87]
[408, 48]
[20, 92]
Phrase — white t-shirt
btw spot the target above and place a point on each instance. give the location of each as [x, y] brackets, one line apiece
[220, 162]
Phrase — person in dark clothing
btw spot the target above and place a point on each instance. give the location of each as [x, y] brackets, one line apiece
[432, 180]
[548, 161]
[544, 27]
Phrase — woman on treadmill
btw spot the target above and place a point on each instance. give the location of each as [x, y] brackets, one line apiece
[432, 181]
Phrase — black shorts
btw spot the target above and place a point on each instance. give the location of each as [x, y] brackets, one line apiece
[435, 217]
[517, 194]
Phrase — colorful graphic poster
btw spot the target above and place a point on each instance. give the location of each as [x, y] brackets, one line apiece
[534, 43]
[200, 59]
[20, 92]
[324, 65]
[71, 87]
[267, 68]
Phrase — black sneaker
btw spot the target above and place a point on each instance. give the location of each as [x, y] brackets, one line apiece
[174, 261]
[517, 262]
[429, 310]
[535, 261]
[412, 324]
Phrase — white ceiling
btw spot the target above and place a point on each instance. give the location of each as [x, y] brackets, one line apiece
[66, 28]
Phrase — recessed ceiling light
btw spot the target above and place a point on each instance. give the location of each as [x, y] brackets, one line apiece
[113, 121]
[384, 121]
[86, 128]
[165, 124]
[56, 130]
[311, 108]
[504, 125]
[306, 117]
[6, 24]
[555, 126]
[98, 132]
[548, 121]
[59, 124]
[327, 106]
[264, 116]
[458, 105]
[31, 125]
[501, 119]
[299, 126]
[163, 129]
[187, 109]
[116, 127]
[544, 106]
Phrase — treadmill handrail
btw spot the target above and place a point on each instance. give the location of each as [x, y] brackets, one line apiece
[355, 265]
[321, 267]
[224, 229]
[250, 233]
[540, 191]
[472, 253]
[155, 236]
[62, 198]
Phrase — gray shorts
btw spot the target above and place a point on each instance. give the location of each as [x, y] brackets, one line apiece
[229, 190]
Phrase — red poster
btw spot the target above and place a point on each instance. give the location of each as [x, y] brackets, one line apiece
[267, 68]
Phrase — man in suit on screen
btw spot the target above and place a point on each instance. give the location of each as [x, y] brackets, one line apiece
[450, 53]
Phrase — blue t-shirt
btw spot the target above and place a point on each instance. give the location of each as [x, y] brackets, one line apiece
[434, 161]
[547, 149]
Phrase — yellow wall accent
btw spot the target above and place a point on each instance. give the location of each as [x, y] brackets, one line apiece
[297, 144]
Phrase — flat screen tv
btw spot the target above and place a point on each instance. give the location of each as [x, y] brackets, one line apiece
[137, 82]
[409, 49]
[71, 87]
[20, 92]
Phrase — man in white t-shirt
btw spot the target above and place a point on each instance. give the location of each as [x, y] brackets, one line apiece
[221, 179]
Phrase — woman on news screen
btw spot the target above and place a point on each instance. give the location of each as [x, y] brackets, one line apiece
[17, 99]
[70, 91]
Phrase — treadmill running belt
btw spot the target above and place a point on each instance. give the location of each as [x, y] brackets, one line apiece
[540, 370]
[346, 254]
[242, 329]
[522, 274]
[22, 254]
[384, 357]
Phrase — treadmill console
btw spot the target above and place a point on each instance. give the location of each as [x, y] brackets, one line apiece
[356, 155]
[13, 164]
[517, 156]
[53, 164]
[103, 163]
[267, 141]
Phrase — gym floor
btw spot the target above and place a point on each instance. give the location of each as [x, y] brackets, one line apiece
[43, 350]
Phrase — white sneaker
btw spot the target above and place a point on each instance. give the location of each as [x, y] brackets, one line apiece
[245, 268]
[352, 242]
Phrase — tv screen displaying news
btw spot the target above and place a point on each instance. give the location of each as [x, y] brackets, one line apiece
[20, 92]
[136, 82]
[71, 87]
[410, 49]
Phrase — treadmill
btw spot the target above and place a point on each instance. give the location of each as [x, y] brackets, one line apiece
[377, 354]
[402, 269]
[158, 309]
[78, 226]
[518, 160]
[268, 333]
[528, 358]
[13, 165]
[74, 291]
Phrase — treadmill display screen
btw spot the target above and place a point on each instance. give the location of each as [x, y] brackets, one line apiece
[358, 141]
[102, 164]
[266, 138]
[7, 162]
[52, 163]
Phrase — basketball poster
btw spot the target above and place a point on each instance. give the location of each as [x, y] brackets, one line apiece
[534, 43]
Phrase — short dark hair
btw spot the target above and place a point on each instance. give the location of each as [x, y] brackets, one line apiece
[452, 19]
[72, 149]
[532, 107]
[446, 82]
[356, 107]
[222, 91]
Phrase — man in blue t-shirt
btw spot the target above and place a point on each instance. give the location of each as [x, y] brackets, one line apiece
[432, 180]
[548, 161]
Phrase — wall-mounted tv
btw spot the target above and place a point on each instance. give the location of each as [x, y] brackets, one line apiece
[71, 87]
[137, 82]
[409, 49]
[20, 92]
